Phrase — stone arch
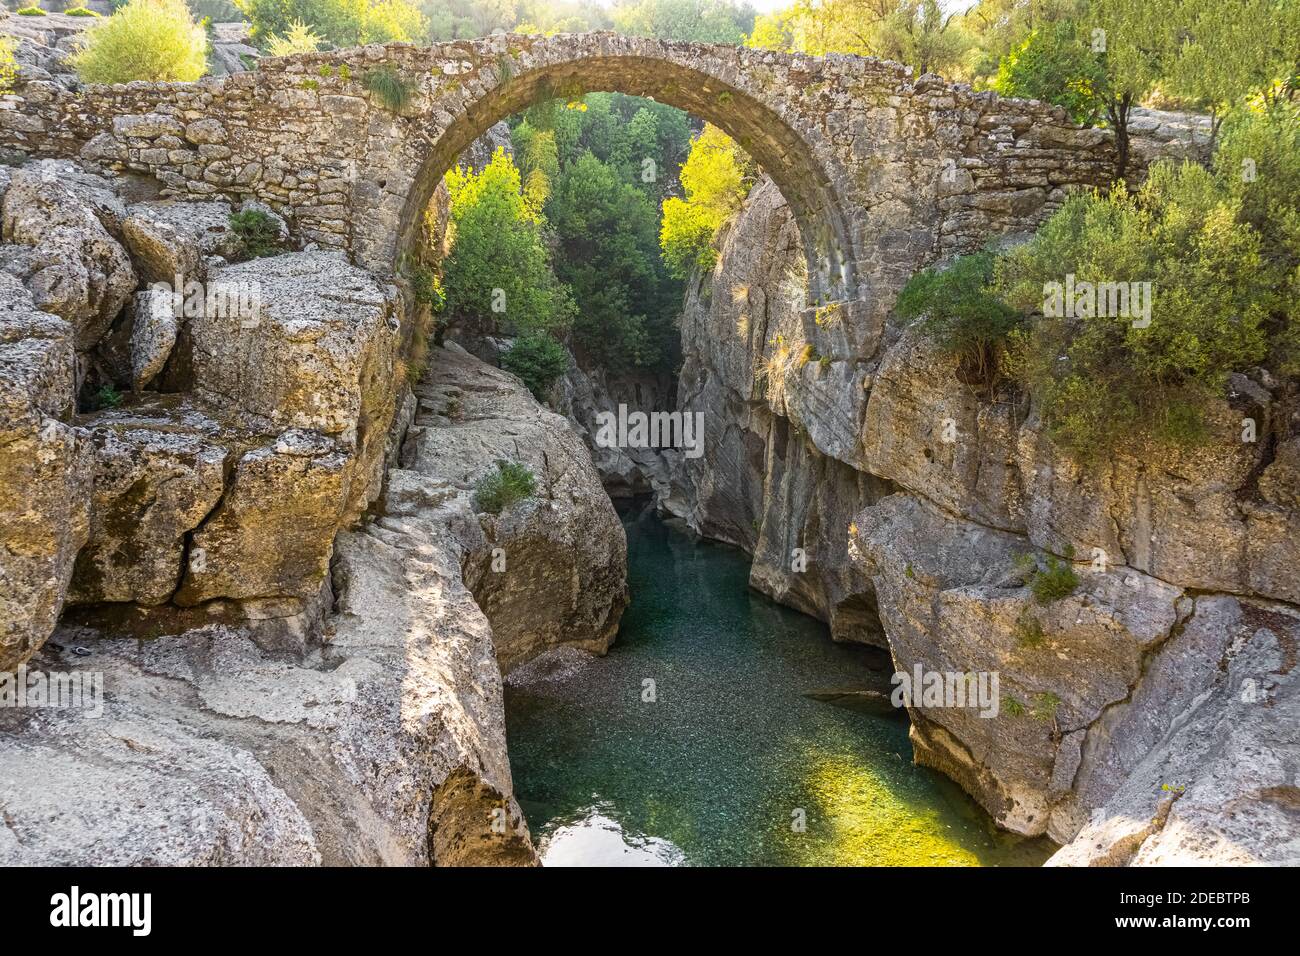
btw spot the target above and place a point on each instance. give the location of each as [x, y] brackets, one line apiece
[774, 141]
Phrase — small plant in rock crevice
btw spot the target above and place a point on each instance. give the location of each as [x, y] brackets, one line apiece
[258, 235]
[106, 396]
[498, 490]
[1055, 580]
[389, 87]
[1045, 706]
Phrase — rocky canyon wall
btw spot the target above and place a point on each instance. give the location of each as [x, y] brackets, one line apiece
[1146, 717]
[262, 549]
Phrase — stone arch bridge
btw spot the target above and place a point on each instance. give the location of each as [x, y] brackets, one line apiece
[884, 171]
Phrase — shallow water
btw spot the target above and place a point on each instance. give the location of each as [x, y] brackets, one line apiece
[727, 761]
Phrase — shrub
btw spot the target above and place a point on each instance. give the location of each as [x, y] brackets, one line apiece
[105, 397]
[8, 65]
[1050, 583]
[1259, 160]
[343, 23]
[390, 87]
[1103, 380]
[144, 40]
[426, 286]
[258, 234]
[79, 12]
[498, 490]
[30, 12]
[959, 308]
[537, 359]
[1028, 629]
[299, 39]
[1057, 65]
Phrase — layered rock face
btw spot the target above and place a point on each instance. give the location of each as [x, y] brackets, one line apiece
[203, 510]
[879, 492]
[383, 741]
[231, 420]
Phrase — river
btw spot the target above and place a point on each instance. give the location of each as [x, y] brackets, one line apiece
[693, 741]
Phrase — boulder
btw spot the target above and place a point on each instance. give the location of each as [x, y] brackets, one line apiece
[952, 599]
[157, 475]
[934, 434]
[169, 239]
[549, 570]
[154, 327]
[273, 531]
[45, 466]
[1199, 767]
[62, 250]
[304, 340]
[1190, 517]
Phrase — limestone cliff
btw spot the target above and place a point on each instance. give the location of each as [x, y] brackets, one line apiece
[913, 500]
[240, 520]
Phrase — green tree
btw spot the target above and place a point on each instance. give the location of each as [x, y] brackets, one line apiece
[716, 177]
[343, 23]
[1229, 51]
[1058, 66]
[143, 40]
[299, 39]
[466, 19]
[702, 21]
[1137, 40]
[996, 27]
[498, 268]
[606, 229]
[919, 33]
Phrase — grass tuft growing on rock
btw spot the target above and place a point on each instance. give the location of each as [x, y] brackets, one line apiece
[1051, 582]
[389, 87]
[498, 490]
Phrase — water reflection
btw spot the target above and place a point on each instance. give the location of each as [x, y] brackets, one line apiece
[598, 840]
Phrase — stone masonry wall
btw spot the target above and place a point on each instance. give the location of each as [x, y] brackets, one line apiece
[883, 171]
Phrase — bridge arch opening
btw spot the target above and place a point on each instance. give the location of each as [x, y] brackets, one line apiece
[772, 142]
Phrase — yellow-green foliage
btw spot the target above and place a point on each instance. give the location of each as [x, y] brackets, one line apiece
[8, 65]
[298, 39]
[144, 40]
[716, 177]
[342, 22]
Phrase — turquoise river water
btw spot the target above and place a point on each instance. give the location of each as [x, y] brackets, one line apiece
[730, 763]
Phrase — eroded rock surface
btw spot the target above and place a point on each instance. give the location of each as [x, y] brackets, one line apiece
[915, 497]
[379, 740]
[45, 468]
